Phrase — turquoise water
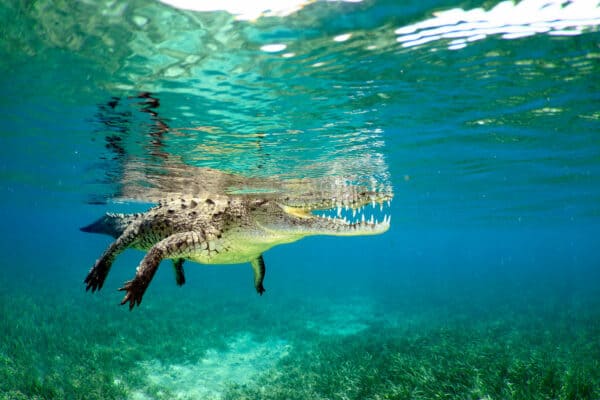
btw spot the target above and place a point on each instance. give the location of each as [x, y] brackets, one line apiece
[482, 118]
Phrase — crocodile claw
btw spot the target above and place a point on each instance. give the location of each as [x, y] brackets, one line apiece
[134, 293]
[96, 277]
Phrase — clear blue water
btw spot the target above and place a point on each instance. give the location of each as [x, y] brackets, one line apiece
[485, 123]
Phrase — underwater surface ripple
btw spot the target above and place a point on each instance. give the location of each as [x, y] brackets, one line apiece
[483, 119]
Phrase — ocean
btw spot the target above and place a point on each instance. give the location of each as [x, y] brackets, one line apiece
[481, 119]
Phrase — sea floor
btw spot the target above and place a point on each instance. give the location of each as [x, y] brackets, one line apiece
[184, 344]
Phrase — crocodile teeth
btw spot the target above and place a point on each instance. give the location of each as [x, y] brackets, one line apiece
[373, 215]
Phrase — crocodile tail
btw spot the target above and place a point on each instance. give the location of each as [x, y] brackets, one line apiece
[110, 224]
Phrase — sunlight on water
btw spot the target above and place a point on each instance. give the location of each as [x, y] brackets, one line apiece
[509, 19]
[244, 10]
[241, 9]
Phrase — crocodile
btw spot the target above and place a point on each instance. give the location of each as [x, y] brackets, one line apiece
[229, 229]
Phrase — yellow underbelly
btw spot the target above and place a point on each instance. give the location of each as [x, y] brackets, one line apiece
[222, 258]
[228, 255]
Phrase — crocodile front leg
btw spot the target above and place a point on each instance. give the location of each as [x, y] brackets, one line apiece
[178, 268]
[98, 273]
[258, 265]
[179, 245]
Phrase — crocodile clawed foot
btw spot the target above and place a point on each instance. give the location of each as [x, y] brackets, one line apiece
[260, 289]
[96, 277]
[134, 292]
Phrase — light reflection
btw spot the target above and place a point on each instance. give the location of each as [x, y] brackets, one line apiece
[244, 9]
[273, 48]
[342, 38]
[508, 19]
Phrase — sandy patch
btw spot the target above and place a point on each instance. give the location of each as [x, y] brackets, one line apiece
[243, 360]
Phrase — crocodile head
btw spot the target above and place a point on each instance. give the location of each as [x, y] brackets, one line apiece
[288, 219]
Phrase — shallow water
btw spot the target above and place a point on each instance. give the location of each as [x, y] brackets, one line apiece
[483, 122]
